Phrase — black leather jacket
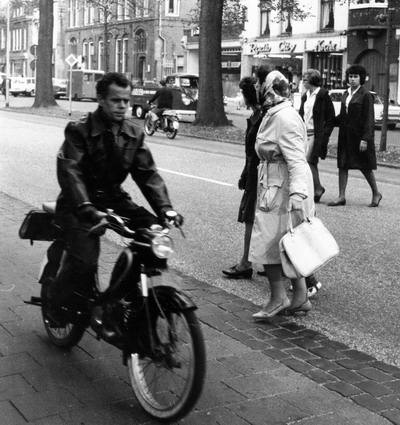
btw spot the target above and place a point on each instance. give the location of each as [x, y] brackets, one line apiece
[92, 164]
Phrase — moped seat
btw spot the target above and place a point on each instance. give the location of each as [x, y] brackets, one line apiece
[49, 206]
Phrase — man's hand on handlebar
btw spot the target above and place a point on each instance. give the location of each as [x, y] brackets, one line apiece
[173, 218]
[90, 214]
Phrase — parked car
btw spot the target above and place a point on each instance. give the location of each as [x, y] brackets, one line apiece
[393, 113]
[24, 86]
[59, 88]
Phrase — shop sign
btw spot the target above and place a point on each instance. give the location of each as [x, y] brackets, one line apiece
[257, 48]
[287, 47]
[230, 64]
[324, 46]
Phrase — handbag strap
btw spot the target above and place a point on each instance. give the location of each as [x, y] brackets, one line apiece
[290, 222]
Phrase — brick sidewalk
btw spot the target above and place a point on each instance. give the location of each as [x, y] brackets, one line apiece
[261, 374]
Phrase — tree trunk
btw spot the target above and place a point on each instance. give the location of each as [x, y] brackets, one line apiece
[44, 96]
[210, 108]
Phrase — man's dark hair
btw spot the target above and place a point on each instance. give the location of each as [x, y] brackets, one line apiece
[248, 90]
[357, 70]
[111, 78]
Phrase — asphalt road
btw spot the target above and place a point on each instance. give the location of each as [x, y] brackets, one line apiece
[359, 302]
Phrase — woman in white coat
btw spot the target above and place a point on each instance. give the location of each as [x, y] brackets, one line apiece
[284, 184]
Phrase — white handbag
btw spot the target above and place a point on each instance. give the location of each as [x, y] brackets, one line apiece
[306, 248]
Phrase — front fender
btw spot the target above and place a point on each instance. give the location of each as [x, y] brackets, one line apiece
[172, 298]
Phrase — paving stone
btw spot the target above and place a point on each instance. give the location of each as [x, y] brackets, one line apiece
[217, 416]
[280, 344]
[373, 388]
[347, 375]
[10, 415]
[393, 400]
[320, 376]
[327, 353]
[256, 344]
[394, 385]
[371, 403]
[270, 410]
[297, 365]
[347, 390]
[358, 355]
[351, 364]
[305, 342]
[393, 415]
[300, 354]
[39, 405]
[375, 374]
[250, 363]
[324, 364]
[276, 354]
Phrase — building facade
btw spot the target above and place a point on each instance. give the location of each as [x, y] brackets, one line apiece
[143, 42]
[367, 38]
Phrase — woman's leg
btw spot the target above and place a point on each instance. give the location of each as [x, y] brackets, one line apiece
[244, 262]
[376, 195]
[279, 300]
[343, 176]
[318, 189]
[300, 302]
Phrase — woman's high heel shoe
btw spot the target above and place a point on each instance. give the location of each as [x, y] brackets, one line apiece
[264, 314]
[303, 308]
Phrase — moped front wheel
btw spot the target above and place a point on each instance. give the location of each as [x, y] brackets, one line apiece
[168, 382]
[148, 126]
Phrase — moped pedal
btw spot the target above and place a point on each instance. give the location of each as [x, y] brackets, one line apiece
[34, 301]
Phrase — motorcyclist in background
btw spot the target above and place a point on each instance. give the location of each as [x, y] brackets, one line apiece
[96, 157]
[164, 97]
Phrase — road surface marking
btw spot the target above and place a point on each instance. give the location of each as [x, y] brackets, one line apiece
[195, 177]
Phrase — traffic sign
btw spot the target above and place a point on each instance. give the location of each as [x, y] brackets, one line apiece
[71, 60]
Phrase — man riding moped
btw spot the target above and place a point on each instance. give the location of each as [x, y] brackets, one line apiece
[96, 157]
[164, 97]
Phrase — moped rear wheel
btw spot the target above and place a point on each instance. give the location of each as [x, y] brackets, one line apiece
[148, 126]
[168, 382]
[66, 335]
[62, 334]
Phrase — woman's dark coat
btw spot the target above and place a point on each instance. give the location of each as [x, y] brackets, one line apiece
[355, 125]
[324, 121]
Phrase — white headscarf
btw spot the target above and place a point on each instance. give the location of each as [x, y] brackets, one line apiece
[274, 90]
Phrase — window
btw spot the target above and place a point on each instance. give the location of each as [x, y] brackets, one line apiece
[286, 23]
[172, 8]
[327, 14]
[90, 55]
[73, 46]
[100, 54]
[88, 13]
[2, 38]
[73, 13]
[359, 4]
[85, 54]
[124, 54]
[118, 55]
[265, 10]
[140, 41]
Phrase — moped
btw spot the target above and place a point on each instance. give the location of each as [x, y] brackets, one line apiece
[168, 123]
[153, 324]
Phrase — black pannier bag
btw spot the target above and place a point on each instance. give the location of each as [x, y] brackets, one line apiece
[38, 225]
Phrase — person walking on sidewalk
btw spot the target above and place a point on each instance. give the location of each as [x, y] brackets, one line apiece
[284, 185]
[318, 113]
[248, 178]
[96, 157]
[248, 183]
[356, 144]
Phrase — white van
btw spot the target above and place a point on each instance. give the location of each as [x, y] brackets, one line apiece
[21, 85]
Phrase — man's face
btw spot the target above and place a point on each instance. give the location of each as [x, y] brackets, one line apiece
[116, 103]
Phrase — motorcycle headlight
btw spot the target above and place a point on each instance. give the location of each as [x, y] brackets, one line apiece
[162, 246]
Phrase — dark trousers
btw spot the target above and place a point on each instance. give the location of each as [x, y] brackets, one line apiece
[77, 274]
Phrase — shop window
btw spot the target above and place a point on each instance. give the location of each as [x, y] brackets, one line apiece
[327, 14]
